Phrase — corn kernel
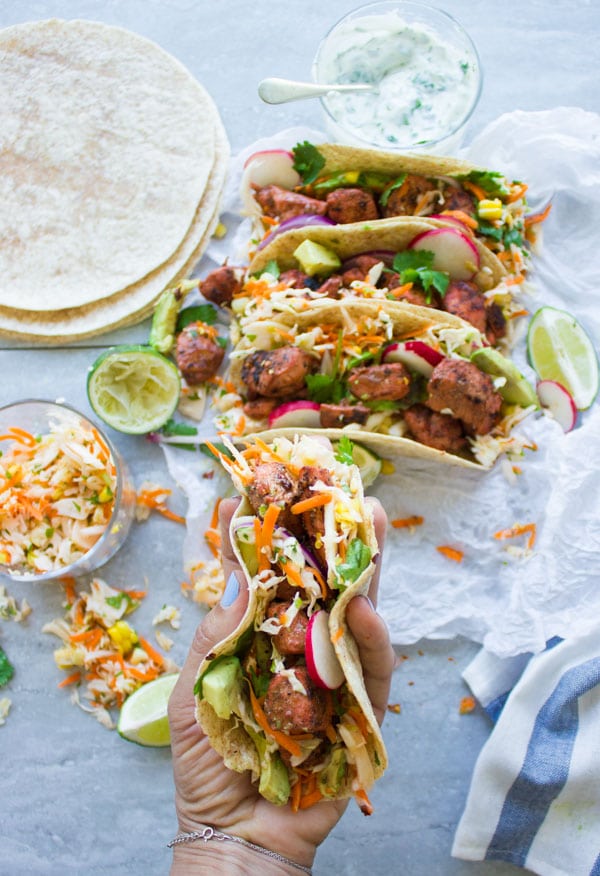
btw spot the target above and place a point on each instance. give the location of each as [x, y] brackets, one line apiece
[123, 637]
[490, 209]
[220, 231]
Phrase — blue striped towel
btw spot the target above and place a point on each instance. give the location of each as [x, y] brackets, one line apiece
[534, 799]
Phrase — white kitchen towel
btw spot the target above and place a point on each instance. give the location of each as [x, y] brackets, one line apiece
[534, 799]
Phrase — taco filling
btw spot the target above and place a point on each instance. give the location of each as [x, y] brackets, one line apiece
[284, 696]
[371, 367]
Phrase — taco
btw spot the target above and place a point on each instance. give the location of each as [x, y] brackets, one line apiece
[397, 378]
[342, 185]
[283, 696]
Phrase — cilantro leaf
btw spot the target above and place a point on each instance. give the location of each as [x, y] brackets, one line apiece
[197, 313]
[491, 181]
[358, 557]
[308, 161]
[392, 188]
[415, 266]
[6, 669]
[343, 451]
[323, 388]
[173, 428]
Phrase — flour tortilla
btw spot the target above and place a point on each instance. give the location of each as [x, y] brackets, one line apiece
[107, 145]
[355, 238]
[133, 304]
[227, 736]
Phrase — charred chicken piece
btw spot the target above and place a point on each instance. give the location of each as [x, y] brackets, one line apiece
[412, 296]
[273, 484]
[457, 199]
[293, 711]
[495, 323]
[260, 408]
[282, 204]
[380, 382]
[435, 430]
[404, 201]
[459, 387]
[222, 284]
[335, 416]
[197, 354]
[292, 639]
[331, 287]
[351, 205]
[277, 373]
[313, 520]
[295, 279]
[464, 299]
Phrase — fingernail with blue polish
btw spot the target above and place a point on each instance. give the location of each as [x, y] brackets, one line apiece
[232, 589]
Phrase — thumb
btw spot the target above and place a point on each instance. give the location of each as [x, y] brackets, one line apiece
[217, 625]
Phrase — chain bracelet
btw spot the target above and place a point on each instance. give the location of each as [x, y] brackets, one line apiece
[209, 833]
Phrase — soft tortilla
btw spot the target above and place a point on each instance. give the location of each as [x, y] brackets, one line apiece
[227, 736]
[136, 302]
[408, 320]
[346, 241]
[107, 145]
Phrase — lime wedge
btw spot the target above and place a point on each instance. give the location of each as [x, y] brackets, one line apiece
[560, 350]
[368, 462]
[143, 717]
[516, 389]
[134, 389]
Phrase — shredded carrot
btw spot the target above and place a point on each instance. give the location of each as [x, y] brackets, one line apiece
[24, 436]
[151, 652]
[214, 520]
[148, 498]
[102, 443]
[89, 638]
[534, 218]
[361, 722]
[331, 734]
[261, 719]
[514, 281]
[310, 799]
[463, 217]
[519, 529]
[451, 553]
[479, 193]
[337, 635]
[70, 679]
[271, 515]
[404, 522]
[518, 313]
[363, 801]
[467, 704]
[134, 594]
[149, 675]
[316, 501]
[213, 540]
[399, 291]
[293, 575]
[296, 795]
[517, 193]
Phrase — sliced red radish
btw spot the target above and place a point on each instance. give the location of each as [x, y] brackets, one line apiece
[321, 660]
[559, 401]
[301, 414]
[414, 354]
[452, 250]
[451, 220]
[292, 223]
[271, 166]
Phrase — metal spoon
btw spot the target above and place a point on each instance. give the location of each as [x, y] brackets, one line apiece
[283, 90]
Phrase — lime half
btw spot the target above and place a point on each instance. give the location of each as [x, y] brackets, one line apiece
[368, 462]
[143, 717]
[134, 389]
[560, 350]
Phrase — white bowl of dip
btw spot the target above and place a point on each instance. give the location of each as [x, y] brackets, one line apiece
[426, 73]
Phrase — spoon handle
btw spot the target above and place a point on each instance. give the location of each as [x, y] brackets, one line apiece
[275, 90]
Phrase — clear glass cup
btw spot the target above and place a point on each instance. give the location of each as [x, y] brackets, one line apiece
[412, 109]
[35, 416]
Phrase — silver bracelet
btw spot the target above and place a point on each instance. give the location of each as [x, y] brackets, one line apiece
[209, 833]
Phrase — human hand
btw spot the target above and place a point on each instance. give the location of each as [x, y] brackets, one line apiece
[209, 793]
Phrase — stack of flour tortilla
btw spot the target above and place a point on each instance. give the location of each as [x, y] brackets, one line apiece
[113, 161]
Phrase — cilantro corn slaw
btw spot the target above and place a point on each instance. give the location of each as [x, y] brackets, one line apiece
[60, 491]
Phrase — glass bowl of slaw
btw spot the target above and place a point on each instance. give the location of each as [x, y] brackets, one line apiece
[424, 69]
[66, 501]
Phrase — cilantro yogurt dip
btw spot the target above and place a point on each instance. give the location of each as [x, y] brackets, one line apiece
[424, 68]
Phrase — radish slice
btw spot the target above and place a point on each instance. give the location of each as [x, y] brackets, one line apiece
[272, 166]
[414, 354]
[556, 399]
[451, 220]
[292, 223]
[302, 414]
[452, 251]
[321, 660]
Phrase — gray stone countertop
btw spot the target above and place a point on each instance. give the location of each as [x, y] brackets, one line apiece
[76, 798]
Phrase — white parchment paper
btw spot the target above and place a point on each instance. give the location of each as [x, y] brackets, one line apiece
[501, 595]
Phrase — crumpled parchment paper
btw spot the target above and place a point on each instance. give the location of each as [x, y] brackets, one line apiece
[502, 595]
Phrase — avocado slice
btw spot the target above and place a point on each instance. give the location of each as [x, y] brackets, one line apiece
[517, 390]
[164, 320]
[314, 258]
[334, 773]
[222, 685]
[274, 782]
[245, 538]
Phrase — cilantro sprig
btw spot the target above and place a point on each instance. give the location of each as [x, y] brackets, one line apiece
[358, 557]
[6, 669]
[308, 161]
[416, 265]
[491, 181]
[344, 451]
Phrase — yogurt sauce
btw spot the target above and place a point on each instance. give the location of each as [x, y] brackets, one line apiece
[426, 87]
